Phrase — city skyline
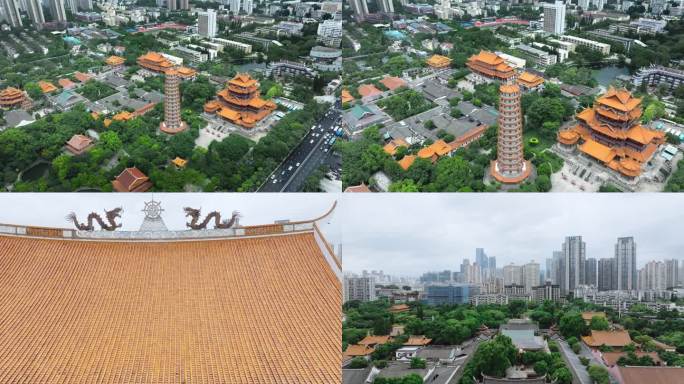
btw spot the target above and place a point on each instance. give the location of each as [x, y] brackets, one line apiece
[402, 247]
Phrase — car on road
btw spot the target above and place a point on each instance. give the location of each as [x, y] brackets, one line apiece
[289, 168]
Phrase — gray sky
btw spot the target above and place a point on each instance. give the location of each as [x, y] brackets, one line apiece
[408, 234]
[48, 209]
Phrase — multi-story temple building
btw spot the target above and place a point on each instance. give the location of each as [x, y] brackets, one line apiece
[488, 66]
[11, 97]
[611, 133]
[172, 123]
[155, 62]
[238, 304]
[240, 102]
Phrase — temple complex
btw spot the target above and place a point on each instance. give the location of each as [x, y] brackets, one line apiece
[490, 67]
[250, 304]
[510, 166]
[240, 102]
[611, 133]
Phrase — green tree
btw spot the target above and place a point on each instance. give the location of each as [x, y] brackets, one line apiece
[417, 363]
[572, 324]
[598, 374]
[599, 323]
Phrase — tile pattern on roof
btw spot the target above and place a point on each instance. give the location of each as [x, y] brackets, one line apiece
[224, 311]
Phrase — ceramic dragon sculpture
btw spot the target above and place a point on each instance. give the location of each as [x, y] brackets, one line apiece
[110, 225]
[215, 215]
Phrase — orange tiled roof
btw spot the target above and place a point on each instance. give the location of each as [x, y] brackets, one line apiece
[435, 150]
[568, 136]
[240, 102]
[530, 80]
[394, 144]
[366, 90]
[375, 340]
[398, 308]
[611, 358]
[438, 61]
[179, 162]
[46, 86]
[587, 316]
[195, 311]
[123, 116]
[420, 340]
[651, 375]
[597, 150]
[490, 65]
[115, 60]
[620, 99]
[361, 188]
[186, 72]
[11, 96]
[346, 96]
[406, 162]
[131, 180]
[79, 142]
[608, 338]
[487, 57]
[82, 77]
[243, 80]
[66, 83]
[155, 61]
[358, 350]
[393, 83]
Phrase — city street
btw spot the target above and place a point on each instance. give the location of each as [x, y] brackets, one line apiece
[313, 151]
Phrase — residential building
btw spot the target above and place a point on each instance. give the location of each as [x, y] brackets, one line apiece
[172, 5]
[530, 273]
[11, 13]
[510, 166]
[554, 17]
[57, 10]
[359, 288]
[650, 26]
[672, 273]
[590, 277]
[330, 33]
[206, 23]
[653, 276]
[360, 8]
[625, 272]
[385, 6]
[591, 44]
[547, 291]
[35, 12]
[541, 58]
[513, 274]
[516, 292]
[574, 255]
[656, 75]
[242, 47]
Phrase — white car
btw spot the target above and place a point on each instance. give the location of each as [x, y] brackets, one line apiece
[275, 181]
[289, 168]
[311, 142]
[297, 165]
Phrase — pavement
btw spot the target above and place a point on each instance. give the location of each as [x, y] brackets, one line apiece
[313, 151]
[579, 371]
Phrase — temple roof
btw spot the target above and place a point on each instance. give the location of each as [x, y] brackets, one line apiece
[609, 338]
[487, 57]
[438, 61]
[195, 311]
[621, 100]
[406, 162]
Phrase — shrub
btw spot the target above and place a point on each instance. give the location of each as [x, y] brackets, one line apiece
[575, 348]
[584, 361]
[534, 141]
[358, 362]
[380, 363]
[417, 363]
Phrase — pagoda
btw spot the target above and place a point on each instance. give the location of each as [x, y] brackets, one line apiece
[510, 166]
[490, 67]
[240, 102]
[11, 97]
[611, 133]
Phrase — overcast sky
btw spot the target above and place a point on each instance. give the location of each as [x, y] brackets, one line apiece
[408, 234]
[47, 209]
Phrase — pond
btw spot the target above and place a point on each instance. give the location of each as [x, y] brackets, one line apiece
[35, 172]
[606, 75]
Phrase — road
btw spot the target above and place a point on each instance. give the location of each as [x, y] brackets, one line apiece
[468, 347]
[579, 371]
[312, 151]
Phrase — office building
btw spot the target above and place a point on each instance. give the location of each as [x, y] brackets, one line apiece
[554, 18]
[57, 10]
[605, 274]
[510, 166]
[625, 272]
[590, 272]
[330, 33]
[450, 294]
[539, 57]
[206, 23]
[11, 13]
[359, 288]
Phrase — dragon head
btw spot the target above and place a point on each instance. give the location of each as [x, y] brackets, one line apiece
[114, 213]
[191, 211]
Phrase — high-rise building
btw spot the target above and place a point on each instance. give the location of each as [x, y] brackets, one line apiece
[600, 4]
[574, 255]
[248, 6]
[584, 4]
[510, 166]
[513, 274]
[35, 12]
[554, 267]
[624, 269]
[450, 294]
[385, 6]
[605, 274]
[184, 4]
[492, 263]
[172, 123]
[360, 8]
[554, 18]
[530, 272]
[653, 276]
[172, 5]
[590, 272]
[57, 10]
[672, 273]
[481, 258]
[443, 10]
[11, 13]
[234, 6]
[359, 288]
[86, 4]
[206, 23]
[72, 5]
